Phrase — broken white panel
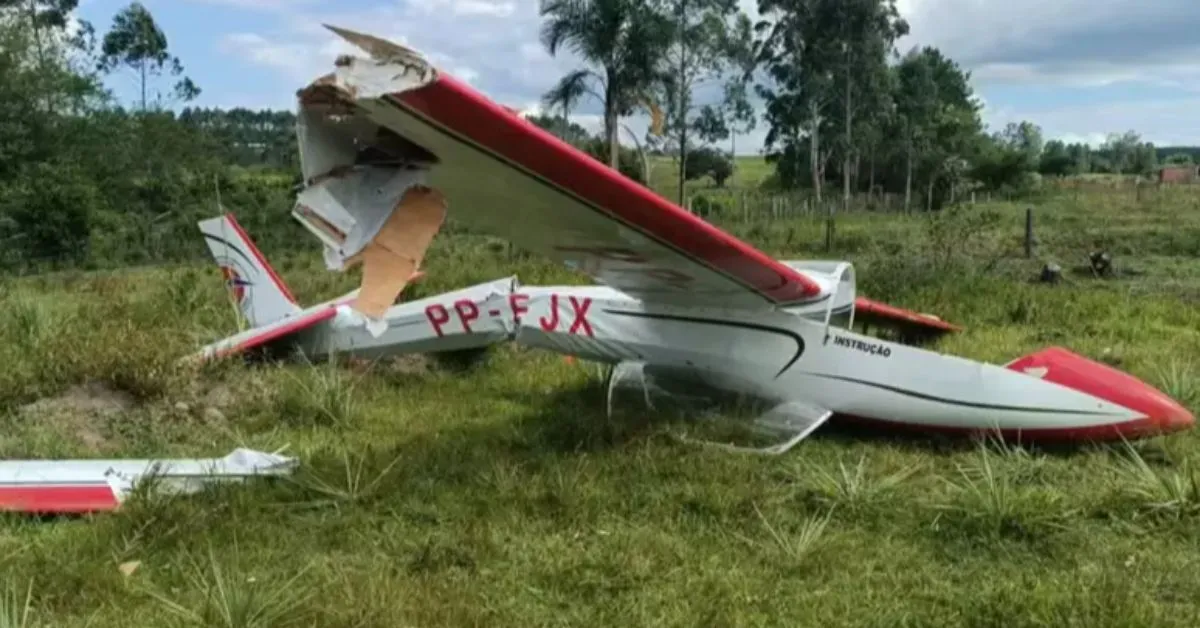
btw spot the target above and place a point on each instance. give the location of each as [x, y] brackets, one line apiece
[355, 204]
[87, 485]
[345, 204]
[392, 68]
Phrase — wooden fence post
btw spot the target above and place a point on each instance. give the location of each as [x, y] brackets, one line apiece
[1028, 232]
[829, 227]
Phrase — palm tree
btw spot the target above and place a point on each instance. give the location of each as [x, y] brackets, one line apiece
[622, 41]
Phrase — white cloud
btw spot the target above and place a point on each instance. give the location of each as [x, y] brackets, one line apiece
[1050, 43]
[1079, 42]
[1163, 122]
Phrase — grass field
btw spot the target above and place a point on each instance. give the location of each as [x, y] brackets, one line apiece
[500, 496]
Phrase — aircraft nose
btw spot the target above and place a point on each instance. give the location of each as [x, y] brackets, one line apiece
[1161, 413]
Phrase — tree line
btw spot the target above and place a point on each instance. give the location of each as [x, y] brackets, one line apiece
[87, 179]
[842, 104]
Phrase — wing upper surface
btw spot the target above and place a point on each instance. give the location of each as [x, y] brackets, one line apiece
[545, 195]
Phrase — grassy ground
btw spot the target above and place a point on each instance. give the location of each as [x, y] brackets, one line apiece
[501, 497]
[748, 172]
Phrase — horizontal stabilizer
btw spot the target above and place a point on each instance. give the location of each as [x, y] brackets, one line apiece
[261, 336]
[904, 321]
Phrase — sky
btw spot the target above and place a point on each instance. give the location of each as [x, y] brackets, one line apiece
[1078, 68]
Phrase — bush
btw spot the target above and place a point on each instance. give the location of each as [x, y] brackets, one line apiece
[708, 162]
[710, 207]
[47, 215]
[629, 160]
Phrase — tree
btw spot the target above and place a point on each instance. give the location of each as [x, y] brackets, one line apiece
[937, 117]
[738, 114]
[1178, 159]
[916, 105]
[866, 32]
[1145, 159]
[827, 65]
[1121, 149]
[703, 49]
[623, 42]
[1055, 160]
[707, 161]
[1025, 140]
[135, 41]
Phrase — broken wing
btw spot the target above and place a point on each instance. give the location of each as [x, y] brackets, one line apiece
[503, 174]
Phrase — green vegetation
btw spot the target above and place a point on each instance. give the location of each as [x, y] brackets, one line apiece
[500, 495]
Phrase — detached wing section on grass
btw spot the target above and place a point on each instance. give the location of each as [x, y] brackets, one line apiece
[82, 486]
[503, 174]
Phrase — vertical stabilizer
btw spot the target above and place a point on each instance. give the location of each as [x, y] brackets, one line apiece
[257, 289]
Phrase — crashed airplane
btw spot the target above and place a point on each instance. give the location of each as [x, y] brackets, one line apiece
[390, 144]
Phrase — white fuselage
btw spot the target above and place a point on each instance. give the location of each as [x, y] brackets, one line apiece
[787, 356]
[792, 357]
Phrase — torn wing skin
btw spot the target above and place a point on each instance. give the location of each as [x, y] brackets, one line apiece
[365, 195]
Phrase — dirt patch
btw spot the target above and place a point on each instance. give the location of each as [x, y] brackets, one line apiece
[91, 398]
[219, 397]
[81, 411]
[408, 364]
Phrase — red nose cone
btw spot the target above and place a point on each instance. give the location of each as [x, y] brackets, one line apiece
[1161, 414]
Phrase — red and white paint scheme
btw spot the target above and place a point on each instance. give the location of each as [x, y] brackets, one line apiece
[678, 297]
[85, 486]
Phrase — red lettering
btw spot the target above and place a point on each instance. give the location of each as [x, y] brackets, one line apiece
[552, 324]
[581, 322]
[517, 302]
[607, 252]
[437, 316]
[467, 312]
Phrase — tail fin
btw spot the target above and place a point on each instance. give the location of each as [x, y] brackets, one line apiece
[260, 293]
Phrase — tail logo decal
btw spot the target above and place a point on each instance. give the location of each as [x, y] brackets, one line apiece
[237, 285]
[236, 282]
